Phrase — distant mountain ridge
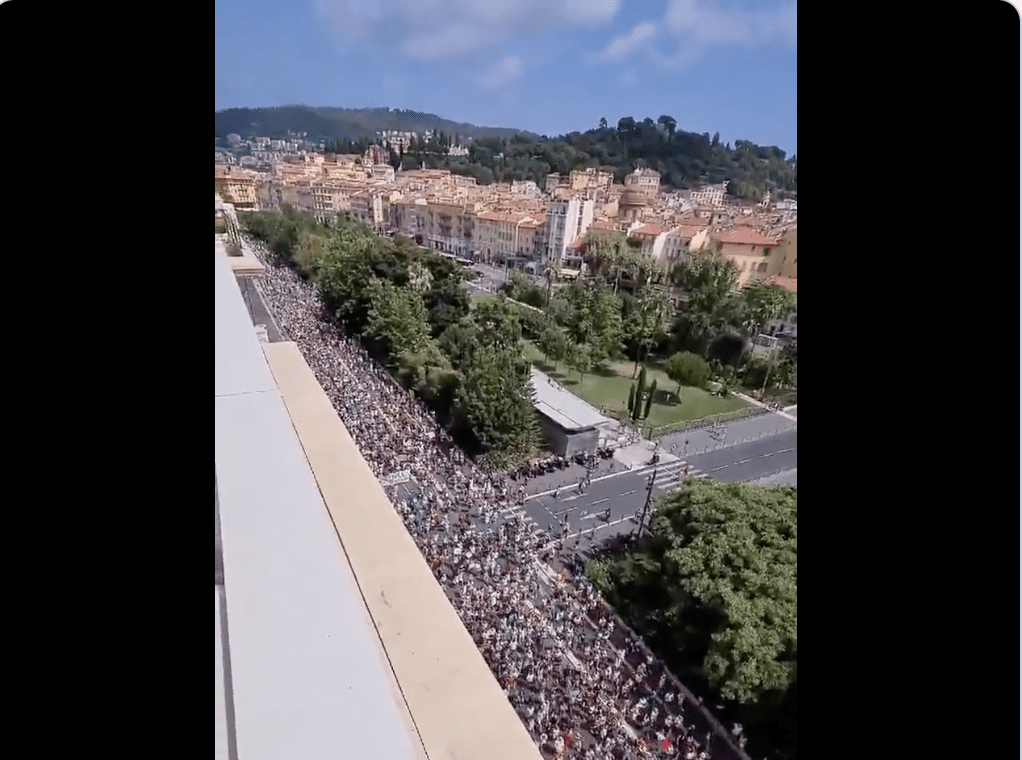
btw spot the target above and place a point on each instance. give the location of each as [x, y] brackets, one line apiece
[330, 123]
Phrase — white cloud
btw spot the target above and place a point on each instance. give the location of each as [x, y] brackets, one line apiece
[701, 22]
[435, 29]
[623, 47]
[445, 43]
[686, 53]
[502, 74]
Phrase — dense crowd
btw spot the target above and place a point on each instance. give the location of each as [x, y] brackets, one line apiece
[548, 641]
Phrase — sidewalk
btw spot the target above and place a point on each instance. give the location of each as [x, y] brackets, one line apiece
[638, 455]
[738, 431]
[763, 406]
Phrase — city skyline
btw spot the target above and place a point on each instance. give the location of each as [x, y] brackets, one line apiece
[549, 68]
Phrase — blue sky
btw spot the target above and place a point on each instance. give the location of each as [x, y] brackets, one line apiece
[548, 66]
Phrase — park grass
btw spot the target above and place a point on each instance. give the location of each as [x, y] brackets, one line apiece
[607, 388]
[477, 296]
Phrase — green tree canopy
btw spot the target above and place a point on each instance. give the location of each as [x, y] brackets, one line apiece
[735, 547]
[499, 322]
[460, 341]
[554, 344]
[764, 302]
[714, 589]
[707, 283]
[397, 319]
[592, 317]
[496, 399]
[686, 368]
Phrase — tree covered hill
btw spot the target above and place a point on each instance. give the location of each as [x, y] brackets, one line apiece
[502, 155]
[683, 159]
[341, 123]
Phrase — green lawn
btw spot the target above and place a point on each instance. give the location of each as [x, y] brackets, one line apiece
[609, 388]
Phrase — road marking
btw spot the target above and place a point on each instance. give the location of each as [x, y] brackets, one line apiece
[593, 504]
[628, 493]
[761, 456]
[743, 461]
[785, 450]
[600, 527]
[645, 469]
[720, 468]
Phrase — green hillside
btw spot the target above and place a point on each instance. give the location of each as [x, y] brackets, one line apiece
[502, 155]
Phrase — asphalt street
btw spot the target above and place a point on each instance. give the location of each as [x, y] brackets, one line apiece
[257, 308]
[607, 507]
[491, 281]
[750, 461]
[611, 504]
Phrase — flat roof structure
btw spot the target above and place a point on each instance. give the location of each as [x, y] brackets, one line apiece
[306, 678]
[563, 407]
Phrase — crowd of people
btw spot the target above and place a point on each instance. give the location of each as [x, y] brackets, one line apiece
[549, 639]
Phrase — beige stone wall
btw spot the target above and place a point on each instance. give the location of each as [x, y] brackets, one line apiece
[458, 707]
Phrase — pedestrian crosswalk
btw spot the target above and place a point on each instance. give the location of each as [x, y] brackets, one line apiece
[670, 476]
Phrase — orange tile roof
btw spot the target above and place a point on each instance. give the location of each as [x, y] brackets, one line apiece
[743, 237]
[788, 283]
[603, 226]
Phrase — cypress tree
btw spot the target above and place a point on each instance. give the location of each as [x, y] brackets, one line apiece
[638, 393]
[631, 398]
[649, 401]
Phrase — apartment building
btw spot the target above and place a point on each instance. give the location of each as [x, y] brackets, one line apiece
[788, 260]
[331, 198]
[531, 241]
[645, 181]
[410, 217]
[236, 187]
[710, 195]
[368, 207]
[678, 242]
[748, 249]
[651, 239]
[526, 189]
[566, 221]
[382, 172]
[591, 179]
[450, 228]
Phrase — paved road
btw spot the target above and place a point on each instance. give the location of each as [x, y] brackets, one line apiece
[701, 440]
[491, 281]
[611, 503]
[608, 507]
[750, 461]
[257, 308]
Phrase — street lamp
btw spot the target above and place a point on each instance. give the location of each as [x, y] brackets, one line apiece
[649, 499]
